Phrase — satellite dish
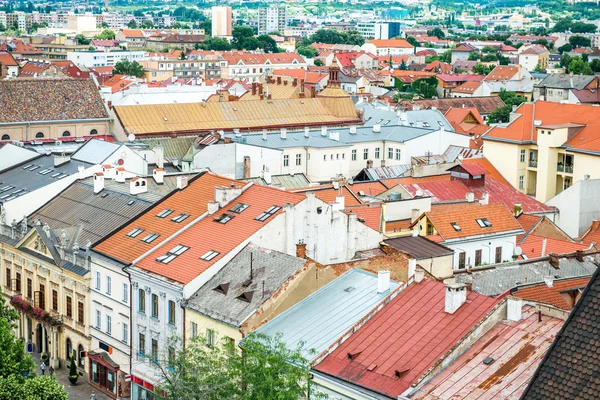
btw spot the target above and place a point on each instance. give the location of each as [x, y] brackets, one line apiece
[518, 251]
[131, 137]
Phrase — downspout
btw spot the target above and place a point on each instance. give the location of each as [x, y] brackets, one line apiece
[126, 270]
[306, 164]
[27, 131]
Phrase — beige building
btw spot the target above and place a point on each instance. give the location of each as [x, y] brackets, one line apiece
[221, 21]
[159, 68]
[58, 47]
[546, 147]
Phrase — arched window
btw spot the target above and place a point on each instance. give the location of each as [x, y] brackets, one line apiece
[5, 137]
[66, 133]
[93, 132]
[69, 350]
[39, 135]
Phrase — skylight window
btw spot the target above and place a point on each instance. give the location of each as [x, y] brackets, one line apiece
[5, 188]
[440, 123]
[18, 191]
[180, 218]
[135, 232]
[455, 226]
[28, 166]
[483, 223]
[209, 255]
[150, 238]
[224, 218]
[165, 213]
[173, 254]
[131, 202]
[265, 215]
[239, 207]
[33, 168]
[45, 171]
[425, 123]
[55, 175]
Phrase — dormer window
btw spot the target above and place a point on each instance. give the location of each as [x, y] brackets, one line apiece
[483, 223]
[455, 226]
[222, 288]
[246, 296]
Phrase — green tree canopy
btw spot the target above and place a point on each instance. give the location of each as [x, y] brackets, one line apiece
[437, 32]
[331, 36]
[578, 66]
[240, 34]
[252, 43]
[126, 67]
[82, 39]
[308, 51]
[595, 65]
[567, 24]
[268, 44]
[580, 41]
[412, 41]
[565, 48]
[319, 63]
[481, 69]
[106, 34]
[502, 114]
[132, 24]
[214, 43]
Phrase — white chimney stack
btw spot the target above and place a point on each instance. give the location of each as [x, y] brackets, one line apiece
[182, 182]
[470, 197]
[376, 128]
[267, 177]
[158, 174]
[98, 182]
[284, 133]
[383, 281]
[353, 130]
[340, 203]
[137, 185]
[419, 275]
[412, 267]
[323, 131]
[160, 156]
[213, 207]
[456, 295]
[120, 175]
[544, 243]
[513, 309]
[225, 194]
[306, 132]
[549, 280]
[264, 134]
[485, 199]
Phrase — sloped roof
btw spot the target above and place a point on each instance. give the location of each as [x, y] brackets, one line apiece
[467, 87]
[464, 47]
[566, 81]
[533, 245]
[7, 59]
[418, 247]
[541, 293]
[504, 73]
[401, 43]
[592, 234]
[485, 105]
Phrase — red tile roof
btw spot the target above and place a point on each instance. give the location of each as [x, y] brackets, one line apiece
[368, 215]
[533, 245]
[370, 188]
[328, 194]
[467, 87]
[460, 77]
[7, 59]
[475, 169]
[592, 234]
[528, 221]
[209, 235]
[465, 47]
[504, 73]
[535, 50]
[408, 335]
[541, 293]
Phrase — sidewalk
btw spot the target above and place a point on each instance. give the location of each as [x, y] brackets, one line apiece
[81, 391]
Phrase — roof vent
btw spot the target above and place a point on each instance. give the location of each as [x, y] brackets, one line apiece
[246, 296]
[376, 128]
[401, 374]
[222, 288]
[352, 356]
[488, 361]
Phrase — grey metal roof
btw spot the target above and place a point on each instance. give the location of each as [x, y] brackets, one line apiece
[288, 181]
[11, 155]
[321, 318]
[375, 114]
[394, 171]
[566, 81]
[418, 247]
[294, 139]
[29, 176]
[270, 270]
[155, 191]
[492, 281]
[174, 148]
[95, 151]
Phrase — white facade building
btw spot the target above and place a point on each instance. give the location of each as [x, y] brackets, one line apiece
[92, 59]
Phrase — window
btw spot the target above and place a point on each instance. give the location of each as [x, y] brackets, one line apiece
[210, 337]
[223, 218]
[165, 213]
[80, 314]
[265, 215]
[8, 278]
[521, 182]
[98, 280]
[377, 152]
[42, 303]
[150, 237]
[18, 282]
[353, 155]
[39, 135]
[455, 226]
[298, 159]
[429, 229]
[55, 300]
[98, 319]
[171, 312]
[483, 223]
[108, 324]
[69, 307]
[398, 154]
[194, 330]
[477, 257]
[462, 258]
[108, 285]
[154, 350]
[229, 345]
[155, 306]
[286, 160]
[125, 293]
[141, 301]
[5, 137]
[523, 155]
[498, 255]
[366, 154]
[142, 344]
[135, 232]
[125, 333]
[29, 288]
[238, 208]
[66, 134]
[180, 218]
[93, 132]
[390, 153]
[172, 254]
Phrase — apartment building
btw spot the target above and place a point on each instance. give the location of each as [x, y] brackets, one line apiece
[252, 66]
[19, 20]
[391, 47]
[57, 47]
[271, 19]
[221, 21]
[160, 68]
[93, 59]
[379, 29]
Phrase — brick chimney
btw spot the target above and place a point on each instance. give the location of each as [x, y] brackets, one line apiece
[554, 260]
[301, 250]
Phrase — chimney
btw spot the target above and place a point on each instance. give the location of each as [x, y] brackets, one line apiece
[295, 82]
[306, 132]
[419, 275]
[470, 197]
[544, 244]
[98, 182]
[383, 281]
[81, 172]
[513, 309]
[353, 130]
[415, 214]
[247, 170]
[579, 255]
[301, 250]
[182, 182]
[485, 199]
[419, 124]
[376, 128]
[412, 266]
[518, 209]
[264, 134]
[267, 177]
[549, 281]
[340, 203]
[225, 194]
[279, 80]
[160, 156]
[313, 91]
[554, 260]
[213, 207]
[253, 88]
[260, 89]
[323, 131]
[120, 175]
[158, 174]
[283, 133]
[456, 295]
[137, 186]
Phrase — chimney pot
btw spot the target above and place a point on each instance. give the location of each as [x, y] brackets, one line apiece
[383, 281]
[554, 260]
[182, 182]
[158, 174]
[549, 281]
[470, 197]
[301, 250]
[98, 182]
[456, 295]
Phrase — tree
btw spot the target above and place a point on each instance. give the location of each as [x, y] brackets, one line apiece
[595, 65]
[412, 41]
[578, 66]
[106, 34]
[502, 114]
[403, 66]
[251, 43]
[132, 24]
[481, 69]
[580, 41]
[437, 32]
[355, 38]
[35, 388]
[308, 52]
[82, 39]
[214, 43]
[474, 55]
[426, 87]
[538, 68]
[264, 369]
[565, 48]
[268, 44]
[567, 24]
[319, 63]
[126, 67]
[240, 34]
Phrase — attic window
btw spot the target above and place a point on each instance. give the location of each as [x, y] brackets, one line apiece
[483, 223]
[150, 238]
[180, 218]
[246, 296]
[172, 254]
[440, 123]
[164, 213]
[455, 226]
[222, 288]
[209, 255]
[412, 124]
[239, 207]
[130, 202]
[425, 123]
[223, 218]
[104, 195]
[265, 215]
[135, 232]
[34, 168]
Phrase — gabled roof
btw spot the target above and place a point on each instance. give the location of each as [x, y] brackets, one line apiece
[570, 368]
[533, 245]
[566, 81]
[467, 87]
[460, 77]
[406, 337]
[592, 234]
[542, 293]
[504, 73]
[485, 105]
[7, 59]
[464, 48]
[137, 33]
[534, 50]
[418, 247]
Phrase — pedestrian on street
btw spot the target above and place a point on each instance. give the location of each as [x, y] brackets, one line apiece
[93, 396]
[51, 370]
[43, 368]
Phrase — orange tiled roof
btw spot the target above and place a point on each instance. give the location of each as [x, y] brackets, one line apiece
[7, 59]
[501, 219]
[370, 188]
[397, 226]
[395, 43]
[551, 295]
[328, 194]
[485, 163]
[133, 33]
[592, 234]
[410, 180]
[504, 73]
[368, 215]
[467, 87]
[209, 235]
[456, 114]
[528, 221]
[533, 245]
[193, 200]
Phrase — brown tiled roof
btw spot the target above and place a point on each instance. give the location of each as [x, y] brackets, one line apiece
[28, 100]
[592, 234]
[570, 368]
[7, 59]
[485, 105]
[418, 247]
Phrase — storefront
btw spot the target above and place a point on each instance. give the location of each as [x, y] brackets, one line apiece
[104, 374]
[142, 390]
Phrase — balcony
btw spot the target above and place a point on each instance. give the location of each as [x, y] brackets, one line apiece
[37, 313]
[533, 163]
[567, 169]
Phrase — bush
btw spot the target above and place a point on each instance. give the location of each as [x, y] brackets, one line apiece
[73, 369]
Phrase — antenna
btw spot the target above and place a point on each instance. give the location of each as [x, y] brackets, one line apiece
[263, 290]
[251, 261]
